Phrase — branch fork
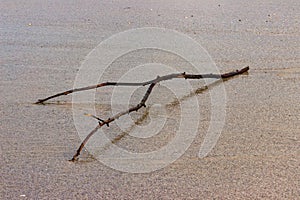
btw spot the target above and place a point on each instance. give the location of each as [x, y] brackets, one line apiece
[142, 103]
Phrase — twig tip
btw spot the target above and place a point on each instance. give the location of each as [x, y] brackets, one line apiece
[73, 159]
[39, 101]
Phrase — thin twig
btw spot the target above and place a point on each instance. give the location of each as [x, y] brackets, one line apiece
[156, 80]
[95, 117]
[109, 120]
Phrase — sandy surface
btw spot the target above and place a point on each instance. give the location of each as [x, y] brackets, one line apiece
[257, 156]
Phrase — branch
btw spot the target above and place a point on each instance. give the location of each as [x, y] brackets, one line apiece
[156, 80]
[117, 116]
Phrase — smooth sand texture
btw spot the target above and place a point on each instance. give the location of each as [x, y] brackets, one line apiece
[257, 156]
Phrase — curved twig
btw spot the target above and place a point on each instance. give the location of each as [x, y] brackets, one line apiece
[109, 120]
[156, 80]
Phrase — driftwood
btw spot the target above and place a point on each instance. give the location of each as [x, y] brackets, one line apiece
[142, 103]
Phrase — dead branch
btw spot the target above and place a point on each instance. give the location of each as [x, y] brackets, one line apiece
[156, 80]
[142, 103]
[109, 120]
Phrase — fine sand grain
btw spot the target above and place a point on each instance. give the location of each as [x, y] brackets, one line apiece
[42, 45]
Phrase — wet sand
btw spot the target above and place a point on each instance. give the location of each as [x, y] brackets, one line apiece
[257, 156]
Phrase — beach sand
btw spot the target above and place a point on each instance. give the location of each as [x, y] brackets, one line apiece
[43, 44]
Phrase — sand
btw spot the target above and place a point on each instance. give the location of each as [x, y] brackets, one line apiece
[43, 44]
